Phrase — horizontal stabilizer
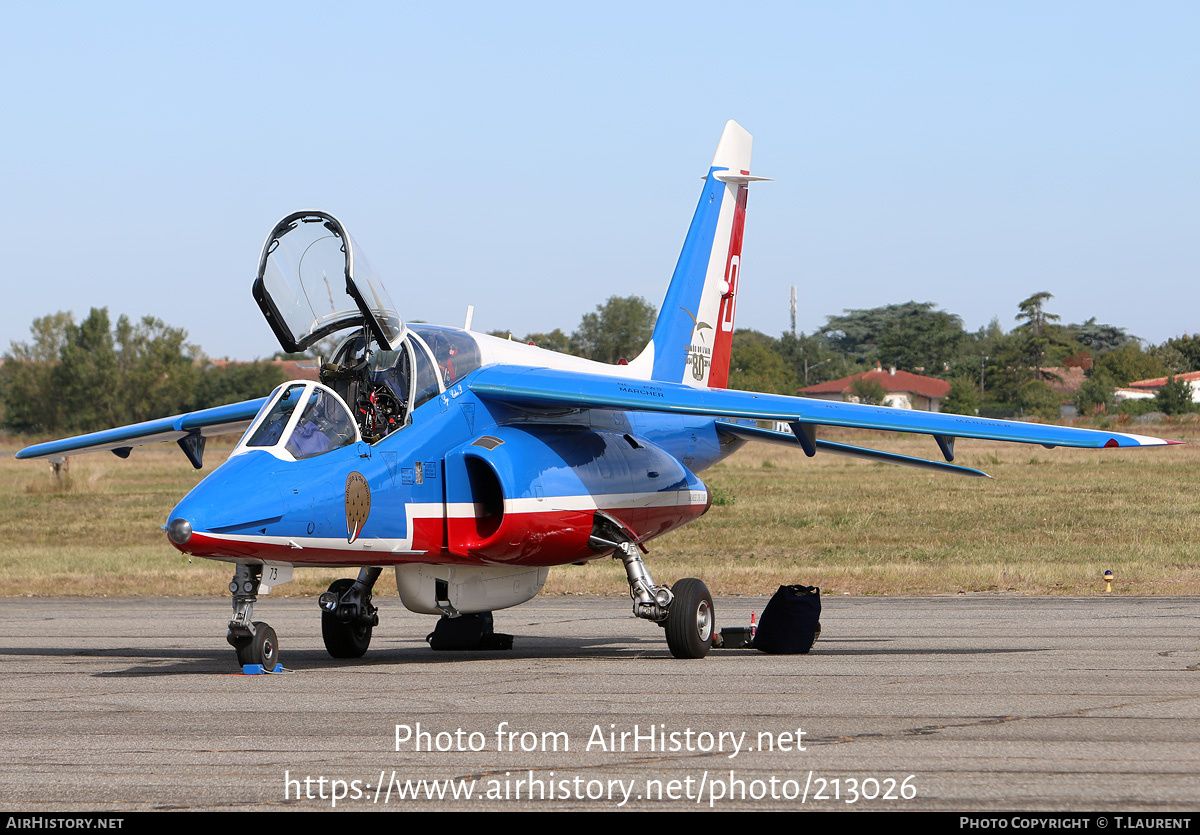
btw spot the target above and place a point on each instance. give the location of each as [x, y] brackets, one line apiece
[770, 436]
[548, 387]
[205, 423]
[735, 177]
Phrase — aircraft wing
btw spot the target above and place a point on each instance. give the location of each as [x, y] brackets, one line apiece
[549, 388]
[188, 430]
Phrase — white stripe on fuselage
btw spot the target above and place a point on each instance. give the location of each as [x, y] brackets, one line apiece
[494, 350]
[615, 501]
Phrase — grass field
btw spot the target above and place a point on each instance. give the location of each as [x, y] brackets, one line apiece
[1050, 523]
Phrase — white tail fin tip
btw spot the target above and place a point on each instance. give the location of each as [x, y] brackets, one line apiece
[733, 151]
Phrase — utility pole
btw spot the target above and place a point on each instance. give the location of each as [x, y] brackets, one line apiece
[792, 305]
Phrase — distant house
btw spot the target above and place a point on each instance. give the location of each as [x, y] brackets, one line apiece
[292, 369]
[1146, 389]
[299, 369]
[904, 389]
[1066, 381]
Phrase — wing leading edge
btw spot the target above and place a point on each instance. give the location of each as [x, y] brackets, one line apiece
[547, 387]
[188, 430]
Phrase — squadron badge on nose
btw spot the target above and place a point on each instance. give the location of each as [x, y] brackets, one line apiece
[358, 505]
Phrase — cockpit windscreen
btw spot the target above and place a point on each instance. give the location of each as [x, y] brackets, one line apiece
[323, 423]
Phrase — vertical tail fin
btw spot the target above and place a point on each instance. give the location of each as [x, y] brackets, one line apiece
[694, 331]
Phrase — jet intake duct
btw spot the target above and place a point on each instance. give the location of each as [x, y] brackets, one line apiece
[531, 493]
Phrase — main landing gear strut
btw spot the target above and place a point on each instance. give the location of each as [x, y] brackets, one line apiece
[254, 641]
[685, 610]
[347, 616]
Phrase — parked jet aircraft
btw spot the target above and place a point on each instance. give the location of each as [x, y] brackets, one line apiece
[471, 465]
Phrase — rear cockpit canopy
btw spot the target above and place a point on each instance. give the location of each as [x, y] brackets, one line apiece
[456, 352]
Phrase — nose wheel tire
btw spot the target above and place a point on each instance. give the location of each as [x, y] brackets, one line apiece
[344, 640]
[263, 648]
[691, 620]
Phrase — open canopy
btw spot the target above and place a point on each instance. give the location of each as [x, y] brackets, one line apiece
[313, 280]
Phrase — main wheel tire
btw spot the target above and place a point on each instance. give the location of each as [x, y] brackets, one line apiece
[263, 648]
[691, 620]
[344, 640]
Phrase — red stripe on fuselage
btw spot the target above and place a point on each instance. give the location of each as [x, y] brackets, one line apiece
[555, 537]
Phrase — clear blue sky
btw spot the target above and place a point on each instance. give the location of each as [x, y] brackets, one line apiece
[534, 159]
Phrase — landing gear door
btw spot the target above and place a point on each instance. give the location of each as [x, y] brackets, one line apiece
[313, 281]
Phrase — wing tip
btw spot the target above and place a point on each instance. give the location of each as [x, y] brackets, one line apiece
[1128, 439]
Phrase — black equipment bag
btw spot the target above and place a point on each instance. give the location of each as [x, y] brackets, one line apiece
[791, 622]
[467, 632]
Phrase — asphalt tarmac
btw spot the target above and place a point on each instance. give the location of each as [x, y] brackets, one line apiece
[979, 702]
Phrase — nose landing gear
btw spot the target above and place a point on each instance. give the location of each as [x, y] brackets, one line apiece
[261, 648]
[254, 640]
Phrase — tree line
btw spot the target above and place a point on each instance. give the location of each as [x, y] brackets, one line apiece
[72, 378]
[92, 375]
[991, 371]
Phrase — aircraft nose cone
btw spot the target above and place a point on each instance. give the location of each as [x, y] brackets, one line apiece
[179, 531]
